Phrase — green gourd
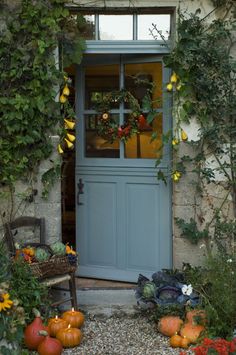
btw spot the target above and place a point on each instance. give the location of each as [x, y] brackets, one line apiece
[58, 248]
[41, 255]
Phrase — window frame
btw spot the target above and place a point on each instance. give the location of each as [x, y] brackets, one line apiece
[127, 46]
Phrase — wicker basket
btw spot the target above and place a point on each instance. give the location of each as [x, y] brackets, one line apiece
[56, 265]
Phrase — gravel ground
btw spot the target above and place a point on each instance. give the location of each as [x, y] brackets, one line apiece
[123, 335]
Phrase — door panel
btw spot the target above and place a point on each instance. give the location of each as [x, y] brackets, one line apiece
[101, 235]
[122, 226]
[143, 234]
[123, 217]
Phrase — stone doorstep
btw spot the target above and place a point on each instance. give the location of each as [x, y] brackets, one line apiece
[102, 302]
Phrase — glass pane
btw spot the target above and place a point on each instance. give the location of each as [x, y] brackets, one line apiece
[88, 28]
[141, 145]
[99, 81]
[116, 27]
[95, 145]
[140, 79]
[145, 25]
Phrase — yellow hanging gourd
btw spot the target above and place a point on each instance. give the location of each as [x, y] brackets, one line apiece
[69, 124]
[71, 137]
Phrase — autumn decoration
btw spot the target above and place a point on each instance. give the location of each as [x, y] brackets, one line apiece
[55, 324]
[74, 318]
[49, 346]
[69, 337]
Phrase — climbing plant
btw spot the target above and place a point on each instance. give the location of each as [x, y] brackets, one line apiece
[203, 85]
[35, 36]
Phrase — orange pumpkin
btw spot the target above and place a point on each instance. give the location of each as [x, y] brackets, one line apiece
[74, 318]
[185, 343]
[169, 325]
[69, 337]
[196, 316]
[191, 331]
[175, 341]
[55, 324]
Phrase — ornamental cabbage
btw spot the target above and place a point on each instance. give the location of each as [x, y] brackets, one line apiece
[149, 290]
[58, 248]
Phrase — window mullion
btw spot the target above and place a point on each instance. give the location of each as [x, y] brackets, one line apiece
[97, 27]
[122, 85]
[135, 27]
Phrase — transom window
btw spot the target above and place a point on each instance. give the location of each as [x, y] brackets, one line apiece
[127, 27]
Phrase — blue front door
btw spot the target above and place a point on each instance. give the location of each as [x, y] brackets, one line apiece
[123, 218]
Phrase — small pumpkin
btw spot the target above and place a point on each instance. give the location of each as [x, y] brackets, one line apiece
[185, 342]
[74, 318]
[55, 324]
[169, 325]
[175, 341]
[49, 346]
[69, 337]
[196, 316]
[191, 331]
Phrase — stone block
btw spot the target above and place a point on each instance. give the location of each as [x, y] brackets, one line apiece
[184, 212]
[52, 214]
[185, 197]
[54, 195]
[185, 252]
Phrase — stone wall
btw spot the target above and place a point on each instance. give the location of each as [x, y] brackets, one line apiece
[28, 201]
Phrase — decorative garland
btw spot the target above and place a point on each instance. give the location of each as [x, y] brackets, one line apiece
[109, 129]
[67, 136]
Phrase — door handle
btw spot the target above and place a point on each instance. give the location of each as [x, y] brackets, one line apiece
[80, 191]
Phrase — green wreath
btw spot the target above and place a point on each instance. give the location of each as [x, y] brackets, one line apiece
[109, 129]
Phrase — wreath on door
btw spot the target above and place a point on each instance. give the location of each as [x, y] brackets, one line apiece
[107, 126]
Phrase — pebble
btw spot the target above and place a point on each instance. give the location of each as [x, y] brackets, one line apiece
[122, 335]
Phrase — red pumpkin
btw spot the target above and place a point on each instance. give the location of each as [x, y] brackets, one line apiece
[32, 338]
[69, 337]
[74, 318]
[191, 331]
[55, 324]
[49, 346]
[169, 325]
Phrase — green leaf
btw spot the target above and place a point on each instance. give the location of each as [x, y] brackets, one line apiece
[161, 176]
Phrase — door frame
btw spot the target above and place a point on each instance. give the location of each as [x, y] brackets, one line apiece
[87, 163]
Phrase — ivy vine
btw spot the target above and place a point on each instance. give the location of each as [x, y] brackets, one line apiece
[201, 60]
[35, 35]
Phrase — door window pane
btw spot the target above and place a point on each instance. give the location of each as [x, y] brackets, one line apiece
[88, 28]
[139, 78]
[162, 23]
[141, 145]
[99, 81]
[115, 27]
[95, 145]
